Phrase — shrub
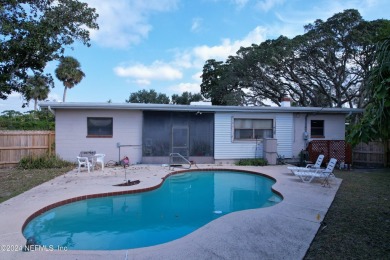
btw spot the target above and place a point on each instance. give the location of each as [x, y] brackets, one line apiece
[252, 162]
[43, 162]
[31, 120]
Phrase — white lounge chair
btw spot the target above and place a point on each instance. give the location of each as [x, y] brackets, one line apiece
[308, 167]
[84, 161]
[308, 176]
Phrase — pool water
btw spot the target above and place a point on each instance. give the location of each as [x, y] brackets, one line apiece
[184, 203]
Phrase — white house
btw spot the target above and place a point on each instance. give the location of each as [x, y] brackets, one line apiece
[149, 133]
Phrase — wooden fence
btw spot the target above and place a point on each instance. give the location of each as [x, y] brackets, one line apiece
[14, 145]
[373, 154]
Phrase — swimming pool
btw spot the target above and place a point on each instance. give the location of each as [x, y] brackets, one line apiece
[184, 203]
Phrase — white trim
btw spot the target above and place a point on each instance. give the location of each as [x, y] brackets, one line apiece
[195, 108]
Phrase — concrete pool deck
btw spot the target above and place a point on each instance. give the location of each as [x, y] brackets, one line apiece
[283, 231]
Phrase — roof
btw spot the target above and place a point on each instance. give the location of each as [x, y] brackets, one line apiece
[193, 108]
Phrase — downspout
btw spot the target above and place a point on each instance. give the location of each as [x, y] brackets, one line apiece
[305, 133]
[51, 110]
[305, 137]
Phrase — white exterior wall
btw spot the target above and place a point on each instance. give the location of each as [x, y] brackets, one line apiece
[334, 129]
[225, 147]
[334, 126]
[71, 134]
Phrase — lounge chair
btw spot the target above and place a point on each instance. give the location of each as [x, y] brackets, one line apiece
[308, 176]
[309, 167]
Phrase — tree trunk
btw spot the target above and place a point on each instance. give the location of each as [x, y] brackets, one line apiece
[64, 96]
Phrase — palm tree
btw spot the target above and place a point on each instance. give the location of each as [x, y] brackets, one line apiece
[37, 88]
[69, 72]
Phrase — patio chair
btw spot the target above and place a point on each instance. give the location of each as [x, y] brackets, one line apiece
[308, 176]
[100, 159]
[309, 167]
[84, 162]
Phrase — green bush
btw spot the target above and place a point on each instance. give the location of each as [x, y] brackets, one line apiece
[43, 162]
[252, 162]
[31, 120]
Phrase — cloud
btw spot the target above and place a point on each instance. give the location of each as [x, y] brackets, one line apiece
[144, 74]
[290, 20]
[186, 60]
[240, 3]
[197, 76]
[142, 82]
[123, 23]
[183, 59]
[197, 56]
[228, 47]
[13, 102]
[267, 5]
[15, 95]
[183, 87]
[54, 97]
[196, 24]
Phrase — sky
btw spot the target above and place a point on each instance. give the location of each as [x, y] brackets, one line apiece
[163, 44]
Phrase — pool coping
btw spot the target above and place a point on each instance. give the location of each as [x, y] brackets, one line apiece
[281, 231]
[117, 193]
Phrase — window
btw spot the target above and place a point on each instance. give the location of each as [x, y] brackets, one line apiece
[99, 126]
[317, 128]
[249, 129]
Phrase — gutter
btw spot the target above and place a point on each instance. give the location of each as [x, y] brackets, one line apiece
[197, 108]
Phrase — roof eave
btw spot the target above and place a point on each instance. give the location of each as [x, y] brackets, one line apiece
[193, 108]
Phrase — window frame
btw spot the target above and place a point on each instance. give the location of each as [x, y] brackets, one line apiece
[234, 138]
[317, 129]
[92, 135]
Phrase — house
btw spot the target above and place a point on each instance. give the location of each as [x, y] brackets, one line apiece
[149, 133]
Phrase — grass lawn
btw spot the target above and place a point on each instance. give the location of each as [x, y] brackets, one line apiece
[16, 181]
[357, 225]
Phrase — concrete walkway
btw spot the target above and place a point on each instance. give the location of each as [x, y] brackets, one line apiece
[283, 231]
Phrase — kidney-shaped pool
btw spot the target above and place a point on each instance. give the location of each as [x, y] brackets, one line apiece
[182, 204]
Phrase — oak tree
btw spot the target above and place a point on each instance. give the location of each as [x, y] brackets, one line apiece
[33, 33]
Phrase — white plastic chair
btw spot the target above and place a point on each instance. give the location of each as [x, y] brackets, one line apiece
[100, 159]
[84, 161]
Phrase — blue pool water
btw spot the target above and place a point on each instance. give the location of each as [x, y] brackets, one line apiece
[184, 203]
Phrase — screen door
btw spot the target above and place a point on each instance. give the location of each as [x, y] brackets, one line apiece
[180, 140]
